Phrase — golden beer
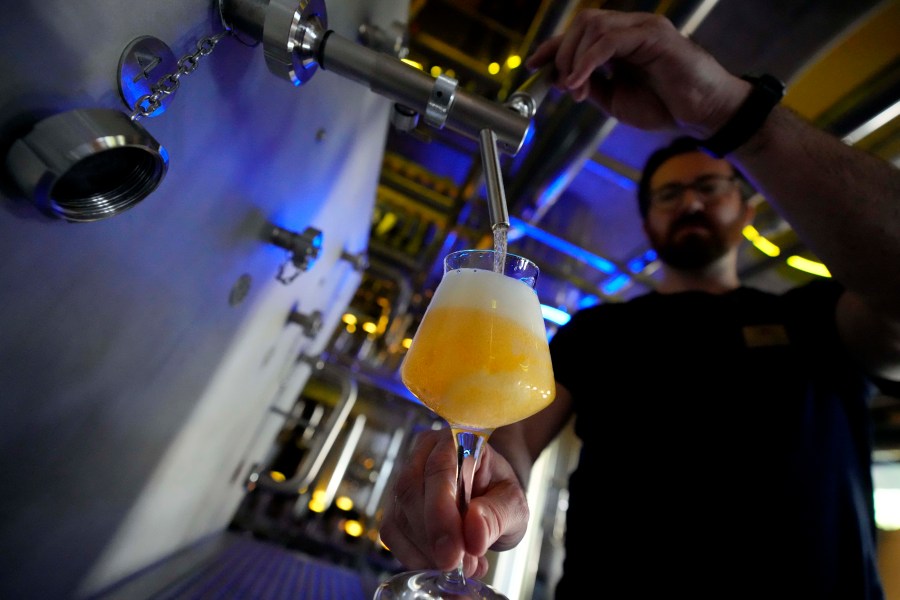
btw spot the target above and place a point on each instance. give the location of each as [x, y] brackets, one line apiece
[480, 357]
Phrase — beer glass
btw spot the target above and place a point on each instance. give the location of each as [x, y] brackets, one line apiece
[479, 359]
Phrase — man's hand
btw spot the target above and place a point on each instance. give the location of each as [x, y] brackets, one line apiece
[422, 525]
[642, 71]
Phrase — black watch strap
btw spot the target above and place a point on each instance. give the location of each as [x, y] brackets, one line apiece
[766, 93]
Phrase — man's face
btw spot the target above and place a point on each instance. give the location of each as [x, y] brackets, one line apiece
[696, 214]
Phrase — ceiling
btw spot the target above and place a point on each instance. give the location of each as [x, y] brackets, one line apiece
[570, 190]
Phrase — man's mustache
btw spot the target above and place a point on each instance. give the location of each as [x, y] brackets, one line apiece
[690, 220]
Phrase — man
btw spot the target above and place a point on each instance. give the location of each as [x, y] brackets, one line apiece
[725, 441]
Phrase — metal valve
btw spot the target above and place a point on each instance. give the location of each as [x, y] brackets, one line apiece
[532, 92]
[359, 261]
[404, 118]
[304, 247]
[311, 323]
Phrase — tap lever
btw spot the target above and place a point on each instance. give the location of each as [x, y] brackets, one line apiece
[532, 92]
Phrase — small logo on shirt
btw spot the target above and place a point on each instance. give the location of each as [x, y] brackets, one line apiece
[760, 336]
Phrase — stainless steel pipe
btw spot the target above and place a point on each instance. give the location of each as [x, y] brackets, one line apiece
[296, 39]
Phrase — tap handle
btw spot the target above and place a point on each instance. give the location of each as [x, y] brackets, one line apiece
[532, 92]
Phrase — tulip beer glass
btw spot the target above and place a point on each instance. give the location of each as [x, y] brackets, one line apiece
[479, 359]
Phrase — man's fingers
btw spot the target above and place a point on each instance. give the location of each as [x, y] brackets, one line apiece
[543, 54]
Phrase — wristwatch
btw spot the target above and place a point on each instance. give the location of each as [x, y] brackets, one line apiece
[767, 91]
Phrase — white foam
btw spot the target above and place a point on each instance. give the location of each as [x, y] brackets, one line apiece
[487, 290]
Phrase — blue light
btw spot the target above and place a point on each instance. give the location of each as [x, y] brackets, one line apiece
[615, 284]
[597, 262]
[636, 265]
[588, 301]
[552, 190]
[555, 315]
[626, 183]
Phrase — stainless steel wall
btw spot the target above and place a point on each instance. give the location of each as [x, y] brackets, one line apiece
[136, 388]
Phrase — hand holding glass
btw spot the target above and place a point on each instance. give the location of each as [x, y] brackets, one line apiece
[480, 360]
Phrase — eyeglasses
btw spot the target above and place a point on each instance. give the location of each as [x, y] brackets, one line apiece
[708, 188]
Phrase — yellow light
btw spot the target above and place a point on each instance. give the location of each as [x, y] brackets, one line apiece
[761, 243]
[406, 343]
[276, 476]
[412, 63]
[349, 318]
[369, 462]
[514, 61]
[369, 327]
[766, 247]
[351, 328]
[808, 266]
[387, 221]
[435, 71]
[344, 502]
[317, 502]
[493, 68]
[384, 319]
[353, 527]
[451, 73]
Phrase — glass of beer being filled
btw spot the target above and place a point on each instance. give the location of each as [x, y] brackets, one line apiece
[480, 360]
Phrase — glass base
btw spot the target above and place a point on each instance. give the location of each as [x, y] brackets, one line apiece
[433, 585]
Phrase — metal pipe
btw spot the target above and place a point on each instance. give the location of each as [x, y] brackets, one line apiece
[340, 469]
[296, 40]
[527, 99]
[313, 460]
[387, 76]
[493, 180]
[384, 473]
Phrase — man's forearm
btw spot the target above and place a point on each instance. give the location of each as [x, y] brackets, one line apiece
[843, 202]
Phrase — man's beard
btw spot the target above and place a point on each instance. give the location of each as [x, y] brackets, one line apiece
[690, 251]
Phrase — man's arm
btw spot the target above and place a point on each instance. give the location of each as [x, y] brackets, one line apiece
[842, 202]
[845, 206]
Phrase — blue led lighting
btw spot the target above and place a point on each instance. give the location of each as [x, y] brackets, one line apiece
[552, 190]
[615, 284]
[636, 265]
[639, 263]
[588, 301]
[626, 183]
[555, 315]
[597, 262]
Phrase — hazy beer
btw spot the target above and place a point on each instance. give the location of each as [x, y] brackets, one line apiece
[480, 357]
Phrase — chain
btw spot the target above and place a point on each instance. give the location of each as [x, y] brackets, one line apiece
[288, 271]
[167, 84]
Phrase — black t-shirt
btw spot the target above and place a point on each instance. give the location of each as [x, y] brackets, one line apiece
[726, 449]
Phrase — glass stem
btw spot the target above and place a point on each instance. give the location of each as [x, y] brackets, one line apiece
[468, 451]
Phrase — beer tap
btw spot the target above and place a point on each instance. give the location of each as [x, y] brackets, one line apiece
[297, 41]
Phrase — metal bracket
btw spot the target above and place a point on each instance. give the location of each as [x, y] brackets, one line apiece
[441, 100]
